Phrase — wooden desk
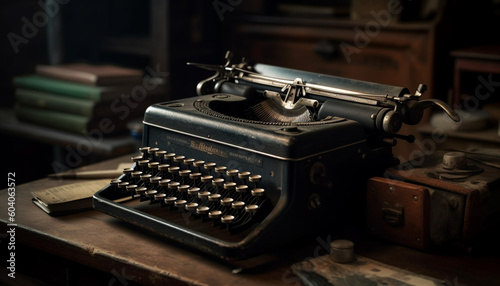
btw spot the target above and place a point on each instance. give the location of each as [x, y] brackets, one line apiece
[92, 248]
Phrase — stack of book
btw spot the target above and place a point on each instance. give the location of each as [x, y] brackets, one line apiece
[81, 97]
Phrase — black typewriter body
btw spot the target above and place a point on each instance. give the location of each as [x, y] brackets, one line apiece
[241, 175]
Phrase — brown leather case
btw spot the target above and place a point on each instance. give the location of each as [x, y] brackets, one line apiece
[398, 211]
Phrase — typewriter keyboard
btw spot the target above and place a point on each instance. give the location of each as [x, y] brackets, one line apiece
[192, 192]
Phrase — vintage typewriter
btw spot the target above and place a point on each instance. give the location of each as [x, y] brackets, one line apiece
[261, 157]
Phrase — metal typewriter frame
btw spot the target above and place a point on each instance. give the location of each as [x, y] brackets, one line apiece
[303, 89]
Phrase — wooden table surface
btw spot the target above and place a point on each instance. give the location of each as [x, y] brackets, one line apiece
[125, 255]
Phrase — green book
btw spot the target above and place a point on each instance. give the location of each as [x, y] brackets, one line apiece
[78, 106]
[71, 89]
[68, 122]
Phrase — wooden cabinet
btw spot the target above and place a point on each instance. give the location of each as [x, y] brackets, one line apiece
[400, 54]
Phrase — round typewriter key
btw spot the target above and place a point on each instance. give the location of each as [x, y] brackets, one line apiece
[144, 149]
[128, 171]
[198, 163]
[244, 175]
[188, 161]
[241, 188]
[204, 195]
[160, 153]
[151, 193]
[115, 182]
[251, 208]
[215, 214]
[173, 185]
[136, 174]
[214, 197]
[131, 188]
[221, 169]
[169, 156]
[226, 201]
[232, 172]
[218, 182]
[193, 191]
[238, 205]
[183, 188]
[155, 180]
[184, 173]
[206, 178]
[202, 210]
[164, 182]
[170, 200]
[159, 197]
[230, 186]
[259, 192]
[123, 185]
[141, 190]
[191, 206]
[145, 177]
[143, 163]
[227, 219]
[179, 158]
[137, 158]
[153, 165]
[173, 170]
[153, 150]
[163, 167]
[195, 176]
[255, 178]
[209, 166]
[180, 203]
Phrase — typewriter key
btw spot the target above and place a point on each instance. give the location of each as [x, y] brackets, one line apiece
[204, 195]
[137, 158]
[193, 191]
[181, 204]
[144, 151]
[152, 152]
[215, 214]
[164, 182]
[127, 172]
[232, 173]
[238, 205]
[163, 167]
[153, 165]
[155, 180]
[141, 191]
[151, 193]
[191, 206]
[202, 210]
[159, 197]
[226, 201]
[188, 161]
[214, 197]
[145, 177]
[169, 157]
[259, 192]
[227, 219]
[170, 200]
[255, 178]
[251, 209]
[221, 170]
